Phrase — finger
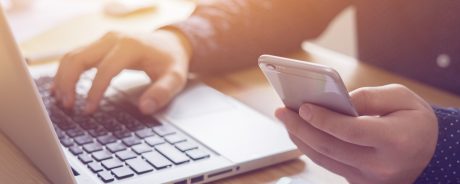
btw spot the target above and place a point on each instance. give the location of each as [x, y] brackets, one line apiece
[162, 91]
[363, 130]
[324, 143]
[113, 63]
[75, 63]
[332, 165]
[383, 100]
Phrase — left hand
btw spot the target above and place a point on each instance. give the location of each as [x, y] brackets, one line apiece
[391, 141]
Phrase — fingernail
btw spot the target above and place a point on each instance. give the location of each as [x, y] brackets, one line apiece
[280, 114]
[148, 106]
[305, 112]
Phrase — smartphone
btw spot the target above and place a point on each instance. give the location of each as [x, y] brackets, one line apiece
[298, 82]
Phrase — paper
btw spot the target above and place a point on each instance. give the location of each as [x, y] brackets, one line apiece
[42, 15]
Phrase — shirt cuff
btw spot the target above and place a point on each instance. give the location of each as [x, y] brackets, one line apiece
[444, 166]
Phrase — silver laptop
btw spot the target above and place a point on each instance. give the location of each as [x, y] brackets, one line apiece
[200, 137]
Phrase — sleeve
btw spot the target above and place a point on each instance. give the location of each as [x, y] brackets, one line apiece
[229, 34]
[444, 166]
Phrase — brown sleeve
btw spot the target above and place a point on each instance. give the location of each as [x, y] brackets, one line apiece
[230, 34]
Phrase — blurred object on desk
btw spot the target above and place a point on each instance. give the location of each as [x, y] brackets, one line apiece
[42, 15]
[127, 7]
[17, 5]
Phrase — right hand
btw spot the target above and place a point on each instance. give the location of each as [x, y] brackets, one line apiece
[164, 56]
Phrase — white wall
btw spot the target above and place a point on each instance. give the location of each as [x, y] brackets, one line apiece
[341, 34]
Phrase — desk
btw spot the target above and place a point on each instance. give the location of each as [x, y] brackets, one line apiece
[248, 86]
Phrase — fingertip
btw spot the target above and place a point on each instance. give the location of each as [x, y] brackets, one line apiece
[67, 101]
[280, 113]
[90, 107]
[305, 112]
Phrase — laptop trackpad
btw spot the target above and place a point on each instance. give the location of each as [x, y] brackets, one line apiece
[226, 126]
[197, 100]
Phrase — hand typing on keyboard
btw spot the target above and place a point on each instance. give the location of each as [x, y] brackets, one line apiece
[117, 141]
[164, 55]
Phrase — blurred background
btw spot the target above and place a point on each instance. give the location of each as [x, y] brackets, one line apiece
[30, 18]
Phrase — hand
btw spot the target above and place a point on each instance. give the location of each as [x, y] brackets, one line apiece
[391, 142]
[163, 55]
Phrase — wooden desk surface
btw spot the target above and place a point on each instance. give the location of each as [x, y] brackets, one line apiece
[248, 86]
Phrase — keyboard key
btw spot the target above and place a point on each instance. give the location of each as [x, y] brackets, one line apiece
[75, 150]
[59, 133]
[105, 176]
[106, 139]
[85, 139]
[74, 132]
[102, 155]
[185, 146]
[90, 125]
[65, 125]
[139, 165]
[149, 121]
[126, 155]
[84, 158]
[157, 160]
[112, 163]
[122, 172]
[122, 134]
[141, 148]
[129, 141]
[175, 138]
[116, 147]
[197, 154]
[163, 130]
[93, 147]
[82, 119]
[153, 141]
[144, 133]
[95, 167]
[66, 142]
[99, 131]
[172, 154]
[135, 126]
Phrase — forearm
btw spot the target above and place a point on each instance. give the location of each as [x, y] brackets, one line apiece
[233, 33]
[445, 164]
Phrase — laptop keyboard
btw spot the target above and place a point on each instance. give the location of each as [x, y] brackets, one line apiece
[117, 141]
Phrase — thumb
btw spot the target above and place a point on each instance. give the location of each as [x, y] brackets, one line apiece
[161, 92]
[383, 100]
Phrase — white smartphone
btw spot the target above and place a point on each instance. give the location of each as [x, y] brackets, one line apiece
[298, 82]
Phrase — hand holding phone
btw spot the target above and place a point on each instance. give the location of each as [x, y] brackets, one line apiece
[297, 82]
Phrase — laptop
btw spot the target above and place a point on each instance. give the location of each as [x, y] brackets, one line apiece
[201, 136]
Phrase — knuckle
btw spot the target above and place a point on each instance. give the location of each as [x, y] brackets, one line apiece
[128, 41]
[111, 35]
[363, 96]
[178, 76]
[363, 93]
[401, 89]
[69, 58]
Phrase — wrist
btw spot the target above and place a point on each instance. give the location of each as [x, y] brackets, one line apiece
[182, 39]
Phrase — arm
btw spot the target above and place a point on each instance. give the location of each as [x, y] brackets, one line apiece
[231, 34]
[444, 167]
[220, 36]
